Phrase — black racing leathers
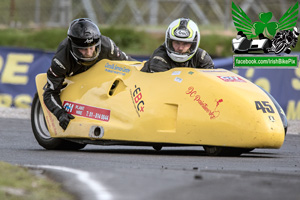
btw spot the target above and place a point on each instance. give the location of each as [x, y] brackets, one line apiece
[63, 64]
[160, 61]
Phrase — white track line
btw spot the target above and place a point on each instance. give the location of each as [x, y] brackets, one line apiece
[98, 189]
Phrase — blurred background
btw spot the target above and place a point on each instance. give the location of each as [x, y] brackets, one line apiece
[30, 31]
[58, 13]
[137, 26]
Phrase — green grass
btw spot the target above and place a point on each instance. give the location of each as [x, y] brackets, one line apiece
[137, 42]
[133, 41]
[19, 183]
[47, 39]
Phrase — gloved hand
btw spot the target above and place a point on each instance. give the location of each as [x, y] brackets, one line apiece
[64, 119]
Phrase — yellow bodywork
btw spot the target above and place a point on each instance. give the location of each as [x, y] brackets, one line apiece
[180, 106]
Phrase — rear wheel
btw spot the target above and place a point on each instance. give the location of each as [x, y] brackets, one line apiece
[224, 151]
[247, 150]
[41, 133]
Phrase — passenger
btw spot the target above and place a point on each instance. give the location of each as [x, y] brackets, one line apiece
[180, 49]
[244, 44]
[83, 47]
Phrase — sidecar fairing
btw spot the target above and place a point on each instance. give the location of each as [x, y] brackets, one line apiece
[115, 103]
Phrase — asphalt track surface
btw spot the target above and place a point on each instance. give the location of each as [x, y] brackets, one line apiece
[141, 173]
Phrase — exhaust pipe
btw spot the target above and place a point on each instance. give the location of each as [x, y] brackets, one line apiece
[96, 132]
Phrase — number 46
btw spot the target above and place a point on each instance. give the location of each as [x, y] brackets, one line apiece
[264, 106]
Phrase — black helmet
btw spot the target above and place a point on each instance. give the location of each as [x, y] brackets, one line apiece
[83, 33]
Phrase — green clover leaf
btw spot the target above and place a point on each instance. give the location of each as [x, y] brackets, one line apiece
[265, 17]
[267, 28]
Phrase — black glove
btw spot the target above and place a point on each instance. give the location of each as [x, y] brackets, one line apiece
[64, 119]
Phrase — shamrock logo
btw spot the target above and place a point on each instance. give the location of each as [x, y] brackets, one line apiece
[243, 23]
[267, 28]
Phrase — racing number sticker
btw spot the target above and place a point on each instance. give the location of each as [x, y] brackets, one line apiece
[264, 106]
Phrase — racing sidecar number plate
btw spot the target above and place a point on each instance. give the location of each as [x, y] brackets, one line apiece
[87, 111]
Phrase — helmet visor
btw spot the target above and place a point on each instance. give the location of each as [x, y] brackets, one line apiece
[170, 45]
[87, 55]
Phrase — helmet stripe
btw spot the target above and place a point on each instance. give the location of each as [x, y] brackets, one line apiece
[190, 30]
[173, 29]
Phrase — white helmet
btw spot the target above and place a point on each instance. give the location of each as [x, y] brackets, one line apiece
[184, 30]
[295, 32]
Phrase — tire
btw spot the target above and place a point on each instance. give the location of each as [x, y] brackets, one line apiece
[247, 150]
[41, 133]
[223, 151]
[280, 48]
[288, 51]
[265, 50]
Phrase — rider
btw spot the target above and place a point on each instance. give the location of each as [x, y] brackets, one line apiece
[291, 36]
[83, 47]
[180, 49]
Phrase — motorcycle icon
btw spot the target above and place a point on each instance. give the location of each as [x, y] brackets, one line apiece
[282, 42]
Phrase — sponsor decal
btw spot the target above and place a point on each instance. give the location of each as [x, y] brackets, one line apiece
[88, 40]
[176, 72]
[190, 72]
[115, 69]
[59, 63]
[231, 79]
[87, 111]
[182, 33]
[137, 99]
[177, 79]
[212, 113]
[271, 118]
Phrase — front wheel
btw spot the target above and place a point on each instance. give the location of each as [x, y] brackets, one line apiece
[41, 133]
[224, 151]
[280, 48]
